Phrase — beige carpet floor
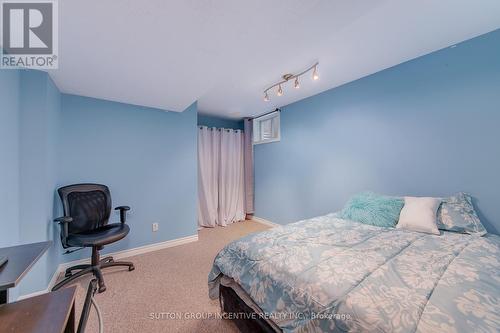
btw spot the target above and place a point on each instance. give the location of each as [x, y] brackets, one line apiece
[166, 283]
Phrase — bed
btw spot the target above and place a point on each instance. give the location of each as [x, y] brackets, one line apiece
[328, 274]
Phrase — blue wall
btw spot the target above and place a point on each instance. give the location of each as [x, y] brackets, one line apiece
[9, 157]
[426, 127]
[218, 122]
[47, 139]
[30, 110]
[146, 156]
[39, 120]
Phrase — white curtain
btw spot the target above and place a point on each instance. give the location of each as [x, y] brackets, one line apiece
[231, 179]
[248, 165]
[208, 176]
[221, 193]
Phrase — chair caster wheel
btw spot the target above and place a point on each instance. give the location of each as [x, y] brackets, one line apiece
[131, 268]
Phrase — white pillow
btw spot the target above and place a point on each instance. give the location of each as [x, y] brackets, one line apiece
[420, 214]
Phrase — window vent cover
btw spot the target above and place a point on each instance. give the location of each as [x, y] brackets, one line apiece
[266, 128]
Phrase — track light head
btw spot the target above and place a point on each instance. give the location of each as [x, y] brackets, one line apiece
[280, 90]
[296, 85]
[266, 97]
[315, 73]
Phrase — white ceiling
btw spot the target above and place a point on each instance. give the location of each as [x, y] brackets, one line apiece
[224, 53]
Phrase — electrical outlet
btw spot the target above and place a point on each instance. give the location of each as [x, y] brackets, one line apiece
[155, 227]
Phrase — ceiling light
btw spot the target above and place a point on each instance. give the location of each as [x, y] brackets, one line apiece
[288, 77]
[315, 73]
[296, 85]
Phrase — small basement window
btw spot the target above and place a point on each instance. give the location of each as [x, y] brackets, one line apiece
[266, 128]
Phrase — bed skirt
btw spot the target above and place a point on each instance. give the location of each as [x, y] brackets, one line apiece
[237, 306]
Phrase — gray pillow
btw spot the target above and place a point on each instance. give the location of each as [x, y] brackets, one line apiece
[457, 214]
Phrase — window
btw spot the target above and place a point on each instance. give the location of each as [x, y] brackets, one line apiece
[266, 128]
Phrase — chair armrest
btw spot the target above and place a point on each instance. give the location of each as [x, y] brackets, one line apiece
[123, 213]
[63, 221]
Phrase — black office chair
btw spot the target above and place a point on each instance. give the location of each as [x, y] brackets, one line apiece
[87, 208]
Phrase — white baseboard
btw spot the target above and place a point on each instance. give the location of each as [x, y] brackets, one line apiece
[116, 255]
[266, 222]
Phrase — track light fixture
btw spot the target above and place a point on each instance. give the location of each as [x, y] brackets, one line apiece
[315, 73]
[288, 77]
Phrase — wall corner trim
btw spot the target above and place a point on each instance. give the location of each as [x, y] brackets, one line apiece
[116, 255]
[265, 222]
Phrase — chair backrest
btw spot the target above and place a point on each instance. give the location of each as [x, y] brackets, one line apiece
[88, 204]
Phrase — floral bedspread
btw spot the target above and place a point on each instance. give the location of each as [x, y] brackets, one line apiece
[331, 275]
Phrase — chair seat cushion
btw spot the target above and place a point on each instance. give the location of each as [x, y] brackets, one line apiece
[101, 236]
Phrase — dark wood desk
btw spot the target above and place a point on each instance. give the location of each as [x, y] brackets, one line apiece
[21, 259]
[48, 313]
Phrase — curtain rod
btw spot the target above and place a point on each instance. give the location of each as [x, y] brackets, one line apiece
[264, 114]
[220, 129]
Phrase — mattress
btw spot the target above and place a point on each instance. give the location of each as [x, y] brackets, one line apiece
[331, 275]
